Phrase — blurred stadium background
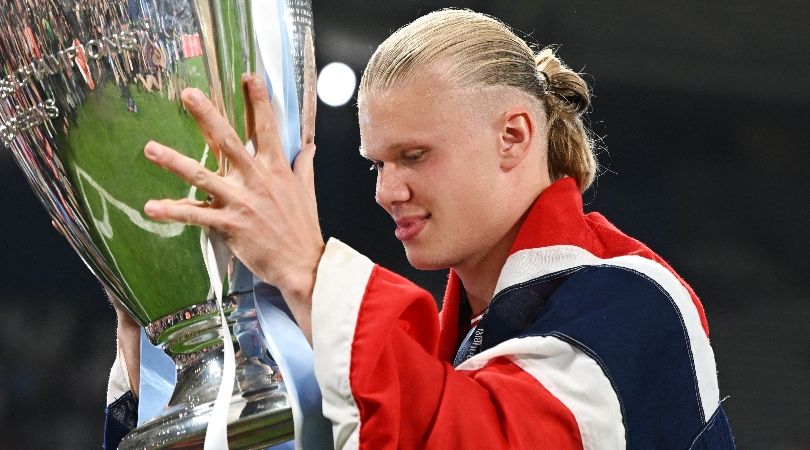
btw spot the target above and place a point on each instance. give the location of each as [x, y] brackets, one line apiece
[703, 111]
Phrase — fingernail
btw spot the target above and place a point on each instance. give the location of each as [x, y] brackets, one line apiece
[257, 81]
[192, 96]
[151, 150]
[150, 207]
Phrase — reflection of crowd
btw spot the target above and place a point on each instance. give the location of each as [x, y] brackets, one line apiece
[34, 29]
[158, 24]
[32, 35]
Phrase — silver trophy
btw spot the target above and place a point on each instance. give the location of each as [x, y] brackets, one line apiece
[84, 85]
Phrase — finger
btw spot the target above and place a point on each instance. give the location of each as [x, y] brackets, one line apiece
[218, 132]
[304, 167]
[206, 135]
[189, 170]
[268, 141]
[182, 211]
[193, 202]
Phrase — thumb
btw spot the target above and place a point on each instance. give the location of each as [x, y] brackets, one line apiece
[303, 167]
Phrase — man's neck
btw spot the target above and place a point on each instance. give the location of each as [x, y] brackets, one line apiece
[480, 277]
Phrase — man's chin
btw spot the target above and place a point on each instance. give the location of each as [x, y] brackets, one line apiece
[423, 261]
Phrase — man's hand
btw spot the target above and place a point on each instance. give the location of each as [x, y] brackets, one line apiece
[265, 211]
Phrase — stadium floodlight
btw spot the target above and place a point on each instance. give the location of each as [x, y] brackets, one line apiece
[336, 84]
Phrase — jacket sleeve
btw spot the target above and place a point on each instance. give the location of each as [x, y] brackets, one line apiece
[375, 337]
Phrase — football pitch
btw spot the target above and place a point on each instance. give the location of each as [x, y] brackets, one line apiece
[161, 264]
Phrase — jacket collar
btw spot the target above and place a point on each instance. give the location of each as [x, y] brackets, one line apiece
[555, 218]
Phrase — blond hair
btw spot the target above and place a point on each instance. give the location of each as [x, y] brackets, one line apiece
[476, 49]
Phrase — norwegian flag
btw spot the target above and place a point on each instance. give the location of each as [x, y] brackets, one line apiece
[192, 46]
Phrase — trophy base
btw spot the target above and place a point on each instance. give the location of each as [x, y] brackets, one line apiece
[254, 423]
[259, 414]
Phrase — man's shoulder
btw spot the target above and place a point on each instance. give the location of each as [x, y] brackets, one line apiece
[566, 288]
[630, 315]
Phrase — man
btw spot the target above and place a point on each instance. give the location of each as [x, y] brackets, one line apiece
[557, 330]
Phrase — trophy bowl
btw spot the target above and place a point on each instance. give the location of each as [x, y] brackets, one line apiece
[84, 85]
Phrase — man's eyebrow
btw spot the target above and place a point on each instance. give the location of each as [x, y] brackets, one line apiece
[399, 147]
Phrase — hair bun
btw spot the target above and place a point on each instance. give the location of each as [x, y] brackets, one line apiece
[572, 90]
[566, 98]
[562, 83]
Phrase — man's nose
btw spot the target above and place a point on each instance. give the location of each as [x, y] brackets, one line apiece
[392, 186]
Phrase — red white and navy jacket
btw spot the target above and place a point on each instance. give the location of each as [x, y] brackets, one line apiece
[591, 341]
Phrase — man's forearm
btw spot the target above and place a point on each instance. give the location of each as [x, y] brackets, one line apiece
[129, 348]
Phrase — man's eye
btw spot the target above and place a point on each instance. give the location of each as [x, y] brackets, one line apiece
[415, 156]
[376, 165]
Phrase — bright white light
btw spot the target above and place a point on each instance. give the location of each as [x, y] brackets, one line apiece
[336, 84]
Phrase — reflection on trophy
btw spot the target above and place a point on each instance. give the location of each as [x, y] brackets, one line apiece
[83, 86]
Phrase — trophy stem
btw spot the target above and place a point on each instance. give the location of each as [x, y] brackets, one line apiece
[259, 414]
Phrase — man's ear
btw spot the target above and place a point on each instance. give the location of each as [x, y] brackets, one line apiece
[517, 127]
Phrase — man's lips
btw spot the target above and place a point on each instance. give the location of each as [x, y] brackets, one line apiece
[409, 227]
